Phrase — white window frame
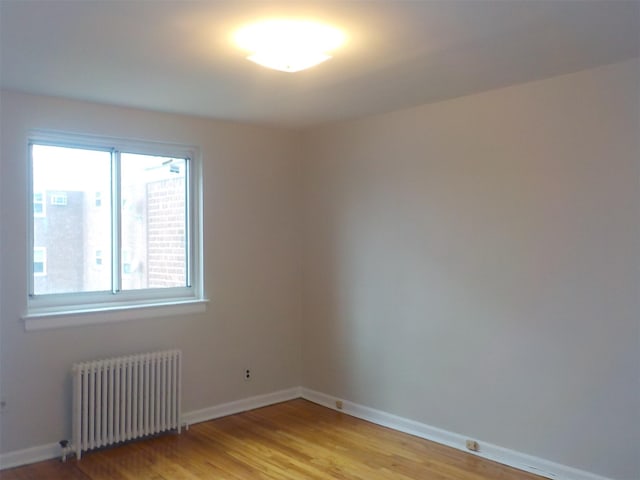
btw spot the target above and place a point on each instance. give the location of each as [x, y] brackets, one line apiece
[84, 308]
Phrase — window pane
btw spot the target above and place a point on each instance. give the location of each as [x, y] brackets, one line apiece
[154, 224]
[73, 229]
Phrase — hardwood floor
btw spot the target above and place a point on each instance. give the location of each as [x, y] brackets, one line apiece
[289, 441]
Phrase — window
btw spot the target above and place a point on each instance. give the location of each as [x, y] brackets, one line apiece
[39, 261]
[59, 199]
[38, 204]
[150, 221]
[126, 262]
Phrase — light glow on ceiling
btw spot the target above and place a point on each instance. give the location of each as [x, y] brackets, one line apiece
[289, 45]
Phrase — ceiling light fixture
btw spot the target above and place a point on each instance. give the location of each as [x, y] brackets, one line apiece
[289, 45]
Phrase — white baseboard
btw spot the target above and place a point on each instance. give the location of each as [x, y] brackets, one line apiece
[30, 455]
[242, 405]
[521, 461]
[53, 450]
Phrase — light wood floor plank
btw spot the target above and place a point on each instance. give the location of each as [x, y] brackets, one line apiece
[295, 440]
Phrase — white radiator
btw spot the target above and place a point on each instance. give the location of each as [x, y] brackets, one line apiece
[123, 398]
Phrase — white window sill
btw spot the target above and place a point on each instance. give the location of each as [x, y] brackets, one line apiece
[44, 320]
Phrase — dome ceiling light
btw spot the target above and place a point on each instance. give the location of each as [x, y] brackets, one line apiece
[289, 45]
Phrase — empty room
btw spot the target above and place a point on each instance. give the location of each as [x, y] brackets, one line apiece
[355, 240]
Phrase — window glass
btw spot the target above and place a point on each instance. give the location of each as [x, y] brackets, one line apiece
[39, 261]
[38, 204]
[59, 198]
[154, 222]
[70, 232]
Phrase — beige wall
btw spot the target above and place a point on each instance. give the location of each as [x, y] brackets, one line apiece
[471, 264]
[475, 265]
[252, 263]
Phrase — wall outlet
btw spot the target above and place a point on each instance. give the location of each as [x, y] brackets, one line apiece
[247, 374]
[339, 404]
[3, 405]
[473, 445]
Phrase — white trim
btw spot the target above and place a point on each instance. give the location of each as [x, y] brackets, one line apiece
[242, 405]
[505, 456]
[29, 455]
[511, 458]
[49, 320]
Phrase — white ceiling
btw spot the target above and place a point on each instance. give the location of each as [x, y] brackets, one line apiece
[177, 56]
